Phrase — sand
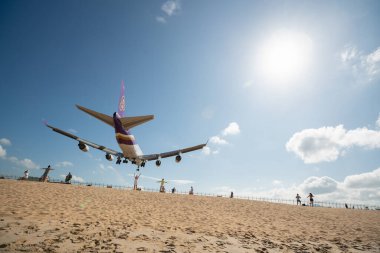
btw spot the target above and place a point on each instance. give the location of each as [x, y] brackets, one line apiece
[48, 217]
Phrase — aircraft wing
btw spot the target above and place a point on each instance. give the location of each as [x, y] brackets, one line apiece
[172, 153]
[89, 143]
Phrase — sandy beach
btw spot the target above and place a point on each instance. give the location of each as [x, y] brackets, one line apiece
[48, 217]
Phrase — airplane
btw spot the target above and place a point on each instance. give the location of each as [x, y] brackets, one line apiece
[130, 150]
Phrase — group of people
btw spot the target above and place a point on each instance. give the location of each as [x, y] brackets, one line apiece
[310, 196]
[45, 177]
[162, 184]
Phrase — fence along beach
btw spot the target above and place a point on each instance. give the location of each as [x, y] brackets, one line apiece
[70, 218]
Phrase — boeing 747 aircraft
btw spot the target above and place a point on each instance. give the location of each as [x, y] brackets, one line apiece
[130, 150]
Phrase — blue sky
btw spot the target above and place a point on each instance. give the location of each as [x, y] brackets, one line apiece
[287, 92]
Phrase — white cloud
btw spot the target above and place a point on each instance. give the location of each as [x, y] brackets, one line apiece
[326, 144]
[64, 164]
[349, 53]
[3, 152]
[232, 129]
[372, 63]
[218, 141]
[170, 7]
[78, 179]
[319, 185]
[161, 19]
[378, 121]
[206, 150]
[365, 67]
[276, 182]
[364, 180]
[5, 142]
[27, 163]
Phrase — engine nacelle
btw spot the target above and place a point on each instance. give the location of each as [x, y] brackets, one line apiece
[158, 163]
[83, 147]
[178, 158]
[109, 157]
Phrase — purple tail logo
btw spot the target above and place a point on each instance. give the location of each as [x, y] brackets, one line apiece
[121, 107]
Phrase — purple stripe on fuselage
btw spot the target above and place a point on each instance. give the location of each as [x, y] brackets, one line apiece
[119, 129]
[126, 142]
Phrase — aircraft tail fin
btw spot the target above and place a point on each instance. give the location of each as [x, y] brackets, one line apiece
[121, 105]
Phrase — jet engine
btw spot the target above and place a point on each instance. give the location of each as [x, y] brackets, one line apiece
[158, 163]
[109, 157]
[178, 158]
[83, 147]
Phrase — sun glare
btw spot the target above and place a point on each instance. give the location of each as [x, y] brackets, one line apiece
[284, 57]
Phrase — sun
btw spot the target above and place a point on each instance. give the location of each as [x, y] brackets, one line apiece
[284, 57]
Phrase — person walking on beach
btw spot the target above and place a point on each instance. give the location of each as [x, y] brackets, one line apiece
[173, 190]
[298, 197]
[311, 197]
[136, 177]
[232, 195]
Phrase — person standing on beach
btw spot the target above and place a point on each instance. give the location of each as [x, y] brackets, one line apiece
[162, 185]
[68, 178]
[26, 175]
[44, 177]
[232, 195]
[191, 192]
[311, 197]
[298, 197]
[135, 181]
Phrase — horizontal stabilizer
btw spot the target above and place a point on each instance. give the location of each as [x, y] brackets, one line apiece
[105, 118]
[128, 122]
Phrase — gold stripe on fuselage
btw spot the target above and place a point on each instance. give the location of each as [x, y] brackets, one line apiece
[125, 137]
